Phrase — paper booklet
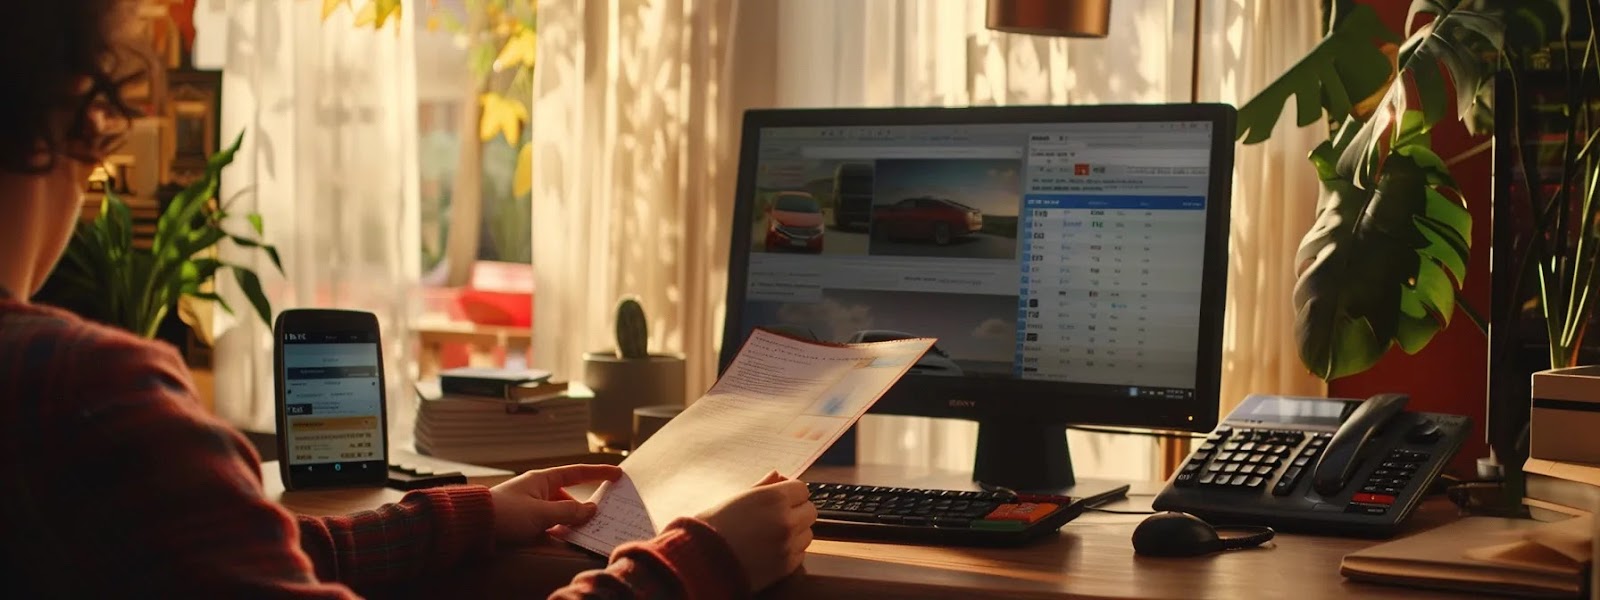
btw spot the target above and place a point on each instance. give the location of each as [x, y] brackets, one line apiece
[779, 405]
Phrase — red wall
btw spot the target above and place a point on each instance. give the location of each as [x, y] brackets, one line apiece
[1450, 375]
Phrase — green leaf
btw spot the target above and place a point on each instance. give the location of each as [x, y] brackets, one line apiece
[1374, 262]
[214, 297]
[1344, 68]
[1415, 333]
[1443, 246]
[197, 273]
[1451, 213]
[272, 252]
[1464, 42]
[251, 286]
[255, 223]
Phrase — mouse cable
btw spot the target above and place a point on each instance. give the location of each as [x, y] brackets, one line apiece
[1154, 434]
[1121, 512]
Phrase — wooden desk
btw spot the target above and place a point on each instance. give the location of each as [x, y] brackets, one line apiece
[1091, 558]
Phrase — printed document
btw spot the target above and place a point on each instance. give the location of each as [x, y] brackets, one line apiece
[780, 404]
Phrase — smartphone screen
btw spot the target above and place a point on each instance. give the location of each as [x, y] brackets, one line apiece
[333, 404]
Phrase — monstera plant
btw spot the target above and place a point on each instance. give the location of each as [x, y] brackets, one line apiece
[1386, 259]
[104, 277]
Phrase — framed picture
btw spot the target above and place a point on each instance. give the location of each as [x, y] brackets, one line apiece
[195, 107]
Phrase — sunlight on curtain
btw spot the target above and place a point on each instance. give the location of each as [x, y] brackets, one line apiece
[1274, 194]
[329, 160]
[635, 130]
[938, 53]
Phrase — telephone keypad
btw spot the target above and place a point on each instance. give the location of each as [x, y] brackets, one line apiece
[1248, 459]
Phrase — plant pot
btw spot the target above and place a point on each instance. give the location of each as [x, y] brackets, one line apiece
[622, 384]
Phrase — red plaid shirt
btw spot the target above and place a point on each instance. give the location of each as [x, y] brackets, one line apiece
[117, 484]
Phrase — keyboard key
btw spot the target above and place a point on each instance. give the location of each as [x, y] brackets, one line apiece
[1264, 470]
[890, 519]
[914, 520]
[1027, 512]
[1208, 447]
[1255, 481]
[1185, 479]
[1248, 446]
[1302, 461]
[843, 515]
[1208, 478]
[955, 522]
[1231, 468]
[999, 525]
[1310, 452]
[1225, 457]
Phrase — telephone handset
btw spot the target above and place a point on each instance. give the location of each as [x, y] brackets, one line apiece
[1340, 459]
[1335, 465]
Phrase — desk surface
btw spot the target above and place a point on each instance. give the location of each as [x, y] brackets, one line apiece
[1090, 558]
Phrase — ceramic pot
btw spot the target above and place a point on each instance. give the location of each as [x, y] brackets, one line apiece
[622, 384]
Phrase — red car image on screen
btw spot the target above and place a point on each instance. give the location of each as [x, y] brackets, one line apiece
[794, 222]
[934, 219]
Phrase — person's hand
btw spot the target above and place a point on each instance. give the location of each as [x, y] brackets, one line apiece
[528, 505]
[768, 527]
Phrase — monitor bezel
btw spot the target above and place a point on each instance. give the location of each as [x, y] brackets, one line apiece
[1014, 399]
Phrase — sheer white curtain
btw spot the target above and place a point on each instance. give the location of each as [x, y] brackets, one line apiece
[635, 129]
[329, 160]
[938, 52]
[1248, 45]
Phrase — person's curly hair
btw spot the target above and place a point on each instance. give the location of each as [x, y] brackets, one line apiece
[60, 84]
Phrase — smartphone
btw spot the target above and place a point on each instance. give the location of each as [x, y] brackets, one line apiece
[332, 432]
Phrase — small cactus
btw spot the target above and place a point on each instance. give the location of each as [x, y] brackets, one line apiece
[633, 331]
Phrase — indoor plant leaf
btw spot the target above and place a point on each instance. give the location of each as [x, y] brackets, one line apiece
[1339, 72]
[1368, 268]
[272, 252]
[1461, 40]
[251, 286]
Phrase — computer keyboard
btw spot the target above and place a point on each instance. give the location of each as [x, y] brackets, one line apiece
[942, 517]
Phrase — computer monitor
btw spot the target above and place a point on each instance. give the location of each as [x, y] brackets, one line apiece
[1071, 261]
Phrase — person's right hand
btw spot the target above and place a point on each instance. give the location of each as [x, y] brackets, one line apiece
[768, 527]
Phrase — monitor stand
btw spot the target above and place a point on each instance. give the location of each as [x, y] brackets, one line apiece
[1023, 456]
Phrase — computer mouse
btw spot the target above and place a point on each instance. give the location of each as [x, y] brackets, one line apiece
[1183, 534]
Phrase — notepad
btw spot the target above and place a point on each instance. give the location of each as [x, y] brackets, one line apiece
[780, 404]
[1483, 554]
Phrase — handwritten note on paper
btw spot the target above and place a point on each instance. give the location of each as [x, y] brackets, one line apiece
[781, 403]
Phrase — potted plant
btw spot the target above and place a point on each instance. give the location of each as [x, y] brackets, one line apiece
[1384, 263]
[104, 277]
[629, 377]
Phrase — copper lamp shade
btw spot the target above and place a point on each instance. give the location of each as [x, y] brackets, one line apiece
[1064, 18]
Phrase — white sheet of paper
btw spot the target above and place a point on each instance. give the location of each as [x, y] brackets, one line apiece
[777, 408]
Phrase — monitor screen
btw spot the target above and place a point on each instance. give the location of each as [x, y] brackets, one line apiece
[1057, 260]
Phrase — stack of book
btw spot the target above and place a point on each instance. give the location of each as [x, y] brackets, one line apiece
[1559, 490]
[485, 416]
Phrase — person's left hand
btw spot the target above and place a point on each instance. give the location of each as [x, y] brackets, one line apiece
[528, 505]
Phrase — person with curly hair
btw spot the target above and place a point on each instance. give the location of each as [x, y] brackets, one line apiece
[118, 484]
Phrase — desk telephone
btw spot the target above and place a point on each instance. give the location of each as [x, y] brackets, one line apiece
[1341, 466]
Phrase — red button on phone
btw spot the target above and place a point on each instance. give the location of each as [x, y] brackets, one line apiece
[1373, 499]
